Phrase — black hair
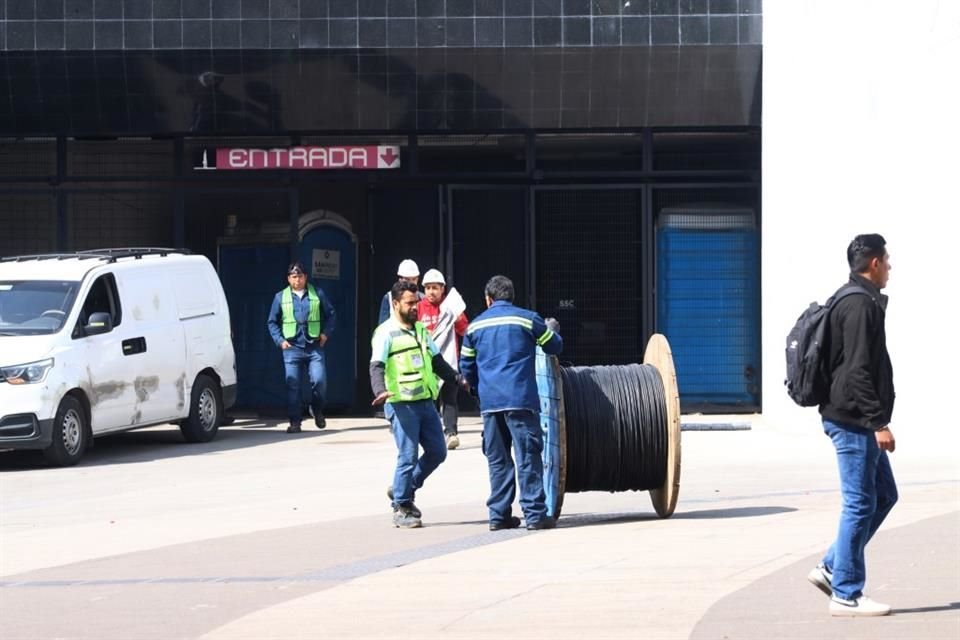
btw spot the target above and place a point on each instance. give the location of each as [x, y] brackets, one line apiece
[499, 288]
[296, 265]
[863, 249]
[396, 291]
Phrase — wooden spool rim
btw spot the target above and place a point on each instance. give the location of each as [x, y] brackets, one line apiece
[562, 436]
[658, 354]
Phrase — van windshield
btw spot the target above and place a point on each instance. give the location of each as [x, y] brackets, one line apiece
[35, 307]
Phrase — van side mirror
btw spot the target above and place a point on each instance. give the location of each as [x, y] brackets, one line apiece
[99, 322]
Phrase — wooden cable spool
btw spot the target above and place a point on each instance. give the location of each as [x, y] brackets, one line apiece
[553, 421]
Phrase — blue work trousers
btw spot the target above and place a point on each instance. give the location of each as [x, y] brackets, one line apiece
[521, 430]
[869, 492]
[295, 359]
[415, 424]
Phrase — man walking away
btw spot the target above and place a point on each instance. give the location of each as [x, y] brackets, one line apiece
[857, 419]
[499, 358]
[403, 372]
[301, 321]
[442, 314]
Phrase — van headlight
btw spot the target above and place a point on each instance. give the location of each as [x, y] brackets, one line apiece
[29, 373]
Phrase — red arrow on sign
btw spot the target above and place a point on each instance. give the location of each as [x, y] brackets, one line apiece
[389, 156]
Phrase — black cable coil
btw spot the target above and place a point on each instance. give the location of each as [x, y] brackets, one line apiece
[616, 420]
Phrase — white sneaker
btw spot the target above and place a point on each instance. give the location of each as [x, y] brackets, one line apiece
[452, 441]
[821, 579]
[862, 606]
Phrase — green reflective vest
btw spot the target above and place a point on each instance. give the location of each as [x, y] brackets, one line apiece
[314, 317]
[409, 372]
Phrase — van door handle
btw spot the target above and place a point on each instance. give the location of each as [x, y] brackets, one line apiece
[134, 345]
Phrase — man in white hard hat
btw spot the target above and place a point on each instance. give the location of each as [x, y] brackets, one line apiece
[442, 313]
[408, 271]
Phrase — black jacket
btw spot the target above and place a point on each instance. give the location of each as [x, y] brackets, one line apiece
[861, 376]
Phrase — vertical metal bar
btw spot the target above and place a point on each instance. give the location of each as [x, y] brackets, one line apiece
[647, 150]
[531, 219]
[179, 218]
[413, 159]
[61, 159]
[179, 197]
[63, 221]
[445, 205]
[62, 231]
[530, 154]
[371, 262]
[648, 313]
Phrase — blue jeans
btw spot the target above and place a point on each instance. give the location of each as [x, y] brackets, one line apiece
[521, 429]
[869, 492]
[294, 360]
[415, 425]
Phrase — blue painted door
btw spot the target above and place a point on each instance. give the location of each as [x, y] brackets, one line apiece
[251, 276]
[331, 256]
[708, 307]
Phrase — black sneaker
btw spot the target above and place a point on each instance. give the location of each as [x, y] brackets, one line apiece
[546, 523]
[404, 517]
[294, 428]
[510, 523]
[413, 507]
[318, 418]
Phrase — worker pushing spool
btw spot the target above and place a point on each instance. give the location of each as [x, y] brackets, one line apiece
[611, 428]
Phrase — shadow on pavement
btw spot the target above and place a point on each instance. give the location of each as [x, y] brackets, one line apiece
[160, 443]
[594, 519]
[946, 607]
[735, 512]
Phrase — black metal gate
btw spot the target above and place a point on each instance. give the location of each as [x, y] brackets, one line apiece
[589, 271]
[488, 235]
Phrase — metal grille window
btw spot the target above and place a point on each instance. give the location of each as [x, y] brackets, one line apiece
[28, 224]
[706, 151]
[484, 153]
[120, 219]
[31, 157]
[123, 157]
[489, 238]
[594, 152]
[588, 272]
[263, 216]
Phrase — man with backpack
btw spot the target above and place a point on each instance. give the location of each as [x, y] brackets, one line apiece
[856, 410]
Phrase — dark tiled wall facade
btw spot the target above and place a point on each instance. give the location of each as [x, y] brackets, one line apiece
[52, 25]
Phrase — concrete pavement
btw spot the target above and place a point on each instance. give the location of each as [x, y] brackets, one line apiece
[261, 534]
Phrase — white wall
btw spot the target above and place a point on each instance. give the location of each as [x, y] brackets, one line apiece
[861, 106]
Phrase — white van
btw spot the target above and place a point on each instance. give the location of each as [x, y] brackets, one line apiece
[103, 341]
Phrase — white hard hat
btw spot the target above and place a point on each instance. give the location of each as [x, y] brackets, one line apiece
[408, 269]
[433, 277]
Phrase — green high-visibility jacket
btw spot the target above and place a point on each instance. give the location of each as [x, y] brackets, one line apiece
[409, 372]
[314, 317]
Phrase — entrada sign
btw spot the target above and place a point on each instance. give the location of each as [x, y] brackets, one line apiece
[315, 158]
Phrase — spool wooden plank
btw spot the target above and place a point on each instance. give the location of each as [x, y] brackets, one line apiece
[553, 424]
[659, 355]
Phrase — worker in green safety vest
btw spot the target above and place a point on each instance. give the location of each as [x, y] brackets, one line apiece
[404, 366]
[301, 321]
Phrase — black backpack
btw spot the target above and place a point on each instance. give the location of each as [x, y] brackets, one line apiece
[808, 381]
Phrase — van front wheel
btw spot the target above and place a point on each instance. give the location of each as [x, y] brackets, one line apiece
[70, 434]
[206, 411]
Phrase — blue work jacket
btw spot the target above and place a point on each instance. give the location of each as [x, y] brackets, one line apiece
[498, 357]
